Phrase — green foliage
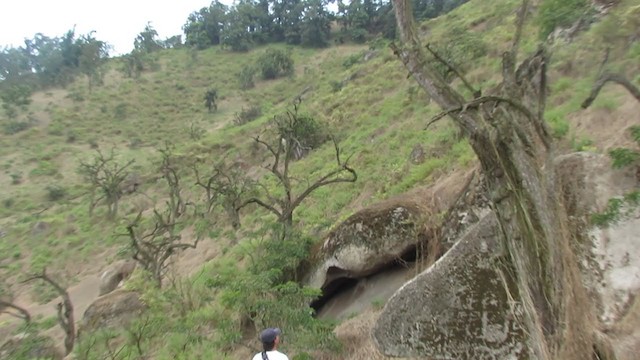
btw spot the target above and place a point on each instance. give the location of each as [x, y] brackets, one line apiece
[14, 127]
[55, 192]
[15, 96]
[623, 157]
[555, 13]
[352, 60]
[245, 77]
[146, 41]
[308, 132]
[459, 48]
[617, 209]
[31, 346]
[275, 63]
[265, 292]
[247, 114]
[558, 123]
[635, 133]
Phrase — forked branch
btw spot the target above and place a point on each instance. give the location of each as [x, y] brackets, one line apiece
[63, 309]
[476, 92]
[610, 77]
[22, 312]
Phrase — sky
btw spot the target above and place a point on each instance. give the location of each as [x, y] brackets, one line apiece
[115, 21]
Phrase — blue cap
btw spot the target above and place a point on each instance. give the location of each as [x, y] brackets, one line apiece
[269, 335]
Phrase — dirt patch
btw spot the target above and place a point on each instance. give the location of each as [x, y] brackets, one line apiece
[42, 100]
[605, 127]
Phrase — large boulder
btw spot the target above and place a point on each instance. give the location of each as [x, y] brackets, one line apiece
[377, 236]
[115, 275]
[609, 256]
[456, 309]
[113, 310]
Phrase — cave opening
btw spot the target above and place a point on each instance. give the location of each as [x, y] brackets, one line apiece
[340, 280]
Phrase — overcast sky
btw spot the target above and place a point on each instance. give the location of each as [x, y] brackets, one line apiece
[115, 21]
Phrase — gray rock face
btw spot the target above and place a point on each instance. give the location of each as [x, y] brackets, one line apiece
[115, 309]
[113, 277]
[366, 242]
[456, 309]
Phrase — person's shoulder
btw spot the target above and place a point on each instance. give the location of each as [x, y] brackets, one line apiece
[282, 356]
[257, 356]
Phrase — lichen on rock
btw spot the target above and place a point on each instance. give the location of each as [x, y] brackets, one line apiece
[458, 308]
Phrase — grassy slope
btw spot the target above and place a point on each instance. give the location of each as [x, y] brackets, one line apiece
[378, 117]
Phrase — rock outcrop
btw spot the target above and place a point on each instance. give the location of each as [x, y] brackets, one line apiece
[113, 277]
[459, 308]
[380, 235]
[610, 256]
[456, 309]
[115, 309]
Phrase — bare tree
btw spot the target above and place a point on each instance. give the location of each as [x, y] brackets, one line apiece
[64, 310]
[105, 175]
[225, 185]
[508, 134]
[169, 170]
[283, 152]
[604, 77]
[153, 248]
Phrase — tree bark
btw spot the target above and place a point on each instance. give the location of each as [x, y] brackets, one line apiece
[64, 310]
[24, 314]
[508, 134]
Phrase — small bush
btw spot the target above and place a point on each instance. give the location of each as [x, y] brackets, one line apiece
[55, 192]
[16, 178]
[275, 63]
[14, 127]
[352, 60]
[245, 77]
[247, 115]
[635, 133]
[555, 13]
[336, 86]
[623, 157]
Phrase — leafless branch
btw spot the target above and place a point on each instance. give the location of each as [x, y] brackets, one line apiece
[610, 77]
[63, 309]
[23, 313]
[478, 102]
[476, 93]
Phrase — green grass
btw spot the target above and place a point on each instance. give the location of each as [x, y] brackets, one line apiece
[378, 116]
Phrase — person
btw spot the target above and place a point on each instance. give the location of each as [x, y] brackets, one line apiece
[270, 339]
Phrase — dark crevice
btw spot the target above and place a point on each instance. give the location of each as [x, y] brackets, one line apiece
[340, 280]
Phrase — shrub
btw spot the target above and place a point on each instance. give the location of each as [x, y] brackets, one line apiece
[55, 192]
[15, 96]
[555, 13]
[275, 63]
[623, 157]
[245, 77]
[352, 60]
[247, 115]
[14, 127]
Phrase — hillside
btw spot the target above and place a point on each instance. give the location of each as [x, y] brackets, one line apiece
[359, 93]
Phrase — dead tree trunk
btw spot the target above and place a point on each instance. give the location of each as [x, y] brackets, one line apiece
[509, 136]
[64, 311]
